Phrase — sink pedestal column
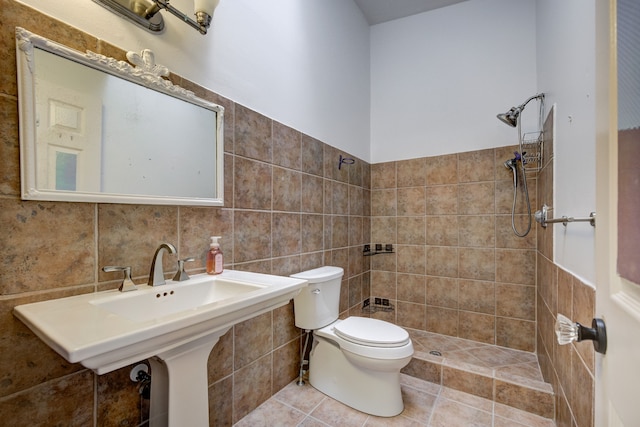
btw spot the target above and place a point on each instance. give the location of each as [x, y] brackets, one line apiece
[179, 384]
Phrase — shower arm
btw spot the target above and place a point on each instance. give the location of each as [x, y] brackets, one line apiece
[538, 96]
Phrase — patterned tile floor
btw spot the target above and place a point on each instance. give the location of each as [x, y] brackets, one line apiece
[426, 404]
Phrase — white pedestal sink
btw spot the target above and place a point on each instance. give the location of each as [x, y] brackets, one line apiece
[174, 325]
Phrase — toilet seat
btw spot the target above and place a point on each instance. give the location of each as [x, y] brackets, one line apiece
[393, 348]
[371, 332]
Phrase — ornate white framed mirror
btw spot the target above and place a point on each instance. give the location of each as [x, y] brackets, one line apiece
[94, 129]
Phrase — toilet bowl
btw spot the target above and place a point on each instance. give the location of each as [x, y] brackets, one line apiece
[356, 360]
[363, 375]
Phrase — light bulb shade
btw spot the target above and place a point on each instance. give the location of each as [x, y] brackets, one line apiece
[206, 6]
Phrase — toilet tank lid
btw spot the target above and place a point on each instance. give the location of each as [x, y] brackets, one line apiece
[320, 274]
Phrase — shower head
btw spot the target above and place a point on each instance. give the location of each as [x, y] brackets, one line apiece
[511, 116]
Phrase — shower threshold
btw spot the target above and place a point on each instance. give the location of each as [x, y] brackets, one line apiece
[504, 375]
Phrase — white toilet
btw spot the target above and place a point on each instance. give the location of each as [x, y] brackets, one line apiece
[357, 360]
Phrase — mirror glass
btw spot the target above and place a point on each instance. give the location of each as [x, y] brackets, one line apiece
[96, 129]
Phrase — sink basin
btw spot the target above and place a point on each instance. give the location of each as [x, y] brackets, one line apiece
[155, 303]
[174, 325]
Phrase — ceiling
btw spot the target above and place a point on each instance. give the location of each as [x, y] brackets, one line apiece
[378, 11]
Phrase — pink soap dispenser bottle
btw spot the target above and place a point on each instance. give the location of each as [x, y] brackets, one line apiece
[215, 259]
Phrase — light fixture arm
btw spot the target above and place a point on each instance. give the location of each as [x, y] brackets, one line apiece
[203, 18]
[145, 13]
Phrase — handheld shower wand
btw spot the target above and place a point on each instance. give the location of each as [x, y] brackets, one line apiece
[513, 165]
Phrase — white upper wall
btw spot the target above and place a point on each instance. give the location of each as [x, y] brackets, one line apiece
[439, 78]
[302, 63]
[566, 73]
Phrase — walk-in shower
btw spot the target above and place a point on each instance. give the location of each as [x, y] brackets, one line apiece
[521, 157]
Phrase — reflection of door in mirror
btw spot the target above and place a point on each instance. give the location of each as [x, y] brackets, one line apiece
[95, 129]
[68, 128]
[628, 140]
[99, 133]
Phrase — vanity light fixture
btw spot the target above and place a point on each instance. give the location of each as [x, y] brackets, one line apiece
[145, 13]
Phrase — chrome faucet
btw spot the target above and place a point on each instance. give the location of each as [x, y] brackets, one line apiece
[156, 275]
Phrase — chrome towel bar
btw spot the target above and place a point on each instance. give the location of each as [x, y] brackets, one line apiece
[541, 217]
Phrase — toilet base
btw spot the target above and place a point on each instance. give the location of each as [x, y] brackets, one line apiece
[375, 392]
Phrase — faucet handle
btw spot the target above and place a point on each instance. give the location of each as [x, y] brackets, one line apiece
[182, 275]
[127, 284]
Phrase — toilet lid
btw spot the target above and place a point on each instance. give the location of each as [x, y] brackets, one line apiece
[371, 332]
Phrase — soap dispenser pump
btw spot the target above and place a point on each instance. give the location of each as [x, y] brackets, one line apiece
[214, 257]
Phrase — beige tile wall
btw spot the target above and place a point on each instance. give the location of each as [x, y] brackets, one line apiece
[287, 208]
[458, 269]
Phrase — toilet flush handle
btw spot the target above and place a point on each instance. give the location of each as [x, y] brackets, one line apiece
[315, 291]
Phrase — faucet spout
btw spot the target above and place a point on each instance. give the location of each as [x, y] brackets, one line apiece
[156, 275]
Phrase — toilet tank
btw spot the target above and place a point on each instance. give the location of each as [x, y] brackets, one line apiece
[317, 304]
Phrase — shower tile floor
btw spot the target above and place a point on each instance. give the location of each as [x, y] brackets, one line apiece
[426, 403]
[485, 359]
